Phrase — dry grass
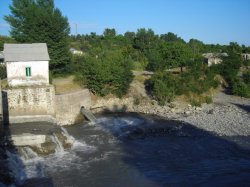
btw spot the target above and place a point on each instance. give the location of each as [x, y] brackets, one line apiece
[4, 83]
[65, 85]
[141, 78]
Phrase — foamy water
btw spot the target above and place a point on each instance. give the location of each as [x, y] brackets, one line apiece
[134, 151]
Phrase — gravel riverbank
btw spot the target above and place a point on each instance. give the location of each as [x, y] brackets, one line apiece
[227, 116]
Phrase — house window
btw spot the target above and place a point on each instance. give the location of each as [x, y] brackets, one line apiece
[28, 71]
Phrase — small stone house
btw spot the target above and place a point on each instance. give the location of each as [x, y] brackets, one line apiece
[213, 58]
[27, 64]
[75, 52]
[245, 56]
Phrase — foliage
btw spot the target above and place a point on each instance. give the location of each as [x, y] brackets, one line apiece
[171, 37]
[5, 39]
[39, 21]
[196, 81]
[196, 46]
[146, 50]
[197, 100]
[3, 73]
[240, 88]
[109, 73]
[246, 77]
[163, 87]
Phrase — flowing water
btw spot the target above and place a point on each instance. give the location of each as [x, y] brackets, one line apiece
[131, 150]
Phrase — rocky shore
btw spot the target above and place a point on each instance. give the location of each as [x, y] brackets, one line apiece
[226, 116]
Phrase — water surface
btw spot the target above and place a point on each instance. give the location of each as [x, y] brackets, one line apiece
[132, 150]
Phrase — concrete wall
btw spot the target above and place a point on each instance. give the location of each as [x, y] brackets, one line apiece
[16, 73]
[68, 106]
[245, 56]
[26, 102]
[212, 60]
[30, 104]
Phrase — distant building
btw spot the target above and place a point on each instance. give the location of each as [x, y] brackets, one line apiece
[75, 52]
[245, 56]
[213, 58]
[1, 57]
[27, 64]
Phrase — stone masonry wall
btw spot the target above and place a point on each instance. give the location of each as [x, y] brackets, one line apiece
[68, 106]
[29, 101]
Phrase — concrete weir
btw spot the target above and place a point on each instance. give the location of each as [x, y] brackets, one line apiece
[28, 139]
[40, 103]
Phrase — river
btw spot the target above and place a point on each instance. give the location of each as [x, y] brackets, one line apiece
[130, 150]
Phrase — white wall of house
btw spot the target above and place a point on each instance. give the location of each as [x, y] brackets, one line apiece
[245, 56]
[16, 73]
[212, 61]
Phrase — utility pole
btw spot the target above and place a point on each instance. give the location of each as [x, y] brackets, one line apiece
[76, 28]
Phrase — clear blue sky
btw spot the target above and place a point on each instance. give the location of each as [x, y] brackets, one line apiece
[211, 21]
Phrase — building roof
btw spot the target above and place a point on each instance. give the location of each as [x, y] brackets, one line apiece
[214, 55]
[26, 52]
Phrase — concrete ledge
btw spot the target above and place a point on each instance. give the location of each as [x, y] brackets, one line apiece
[28, 139]
[31, 118]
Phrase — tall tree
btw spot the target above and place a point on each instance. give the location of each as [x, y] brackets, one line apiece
[176, 54]
[40, 21]
[171, 37]
[196, 46]
[145, 40]
[109, 33]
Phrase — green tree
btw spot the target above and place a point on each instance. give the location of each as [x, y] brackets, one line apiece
[176, 54]
[144, 40]
[171, 37]
[110, 33]
[196, 46]
[109, 73]
[234, 47]
[130, 36]
[5, 39]
[39, 21]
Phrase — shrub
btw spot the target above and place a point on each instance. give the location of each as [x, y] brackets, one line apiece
[195, 102]
[241, 89]
[3, 73]
[162, 92]
[162, 86]
[208, 99]
[246, 78]
[196, 81]
[107, 74]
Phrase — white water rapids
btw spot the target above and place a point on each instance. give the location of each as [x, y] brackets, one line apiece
[138, 151]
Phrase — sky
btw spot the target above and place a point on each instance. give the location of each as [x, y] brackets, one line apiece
[211, 21]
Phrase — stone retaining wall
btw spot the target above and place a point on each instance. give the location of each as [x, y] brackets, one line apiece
[68, 106]
[28, 101]
[30, 104]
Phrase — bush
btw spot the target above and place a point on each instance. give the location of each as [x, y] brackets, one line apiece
[208, 99]
[195, 102]
[107, 74]
[246, 78]
[241, 89]
[162, 87]
[3, 73]
[162, 92]
[196, 81]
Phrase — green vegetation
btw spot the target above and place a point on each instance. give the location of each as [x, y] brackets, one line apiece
[230, 70]
[108, 74]
[39, 21]
[3, 73]
[108, 59]
[5, 39]
[197, 80]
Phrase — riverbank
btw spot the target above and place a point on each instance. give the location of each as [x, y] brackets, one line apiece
[228, 115]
